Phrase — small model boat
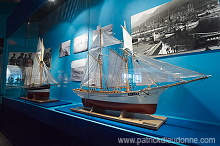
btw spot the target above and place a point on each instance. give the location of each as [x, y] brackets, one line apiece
[38, 78]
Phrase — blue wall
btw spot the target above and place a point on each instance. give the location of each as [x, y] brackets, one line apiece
[198, 100]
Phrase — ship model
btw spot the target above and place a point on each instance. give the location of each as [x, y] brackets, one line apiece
[38, 78]
[122, 80]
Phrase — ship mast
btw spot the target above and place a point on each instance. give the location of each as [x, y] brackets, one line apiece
[100, 58]
[41, 62]
[127, 76]
[97, 78]
[124, 30]
[41, 72]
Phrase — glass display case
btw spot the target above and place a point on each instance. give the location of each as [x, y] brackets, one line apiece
[133, 56]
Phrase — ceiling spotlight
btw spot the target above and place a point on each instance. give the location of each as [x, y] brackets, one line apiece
[51, 0]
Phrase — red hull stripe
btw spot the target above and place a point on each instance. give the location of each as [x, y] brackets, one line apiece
[136, 108]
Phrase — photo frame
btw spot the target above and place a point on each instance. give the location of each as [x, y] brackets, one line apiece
[65, 49]
[80, 44]
[177, 28]
[21, 59]
[77, 68]
[47, 57]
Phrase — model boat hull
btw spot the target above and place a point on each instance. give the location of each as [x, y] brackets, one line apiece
[138, 102]
[38, 93]
[135, 108]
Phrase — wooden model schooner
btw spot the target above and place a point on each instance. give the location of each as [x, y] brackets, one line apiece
[127, 81]
[38, 78]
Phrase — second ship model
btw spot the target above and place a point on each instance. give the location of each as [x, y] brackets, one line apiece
[124, 80]
[38, 78]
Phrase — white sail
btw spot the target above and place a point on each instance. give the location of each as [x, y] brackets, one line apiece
[127, 40]
[40, 50]
[27, 75]
[109, 40]
[47, 76]
[33, 73]
[141, 75]
[176, 71]
[151, 75]
[39, 73]
[96, 43]
[116, 71]
[155, 72]
[92, 76]
[33, 77]
[93, 73]
[103, 39]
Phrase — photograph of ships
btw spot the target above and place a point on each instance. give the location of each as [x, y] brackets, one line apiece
[179, 26]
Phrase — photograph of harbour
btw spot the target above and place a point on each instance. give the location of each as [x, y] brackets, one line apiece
[177, 27]
[77, 68]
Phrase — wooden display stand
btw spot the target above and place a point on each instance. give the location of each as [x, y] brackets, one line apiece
[141, 120]
[41, 101]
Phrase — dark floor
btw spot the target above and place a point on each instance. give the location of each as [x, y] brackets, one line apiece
[22, 130]
[4, 141]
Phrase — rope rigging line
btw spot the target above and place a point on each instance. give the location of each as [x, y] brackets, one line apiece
[176, 66]
[162, 69]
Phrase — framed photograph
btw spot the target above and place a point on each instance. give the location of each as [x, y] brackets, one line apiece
[47, 57]
[65, 49]
[21, 59]
[77, 68]
[177, 28]
[80, 43]
[14, 75]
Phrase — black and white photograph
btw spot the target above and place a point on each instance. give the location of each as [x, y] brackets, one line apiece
[21, 59]
[177, 27]
[81, 43]
[77, 67]
[65, 49]
[14, 75]
[47, 57]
